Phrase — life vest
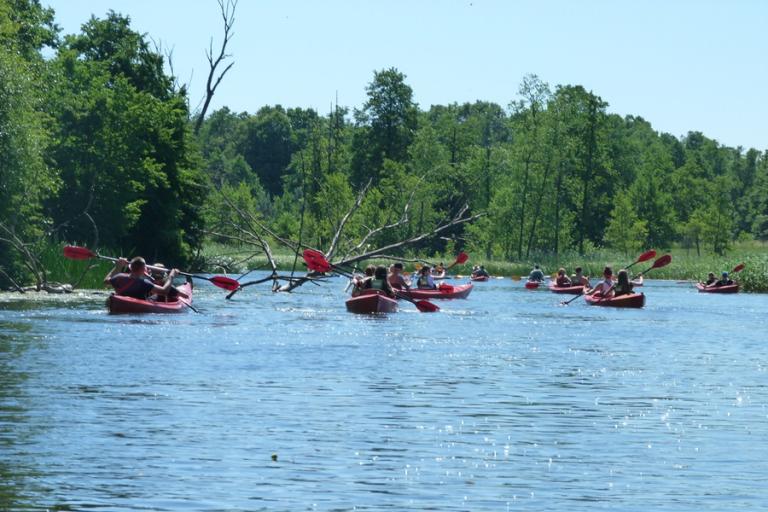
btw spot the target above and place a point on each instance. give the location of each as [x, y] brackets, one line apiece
[376, 284]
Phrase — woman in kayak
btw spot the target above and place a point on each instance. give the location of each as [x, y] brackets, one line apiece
[562, 279]
[439, 271]
[425, 280]
[623, 284]
[536, 274]
[579, 278]
[605, 286]
[360, 281]
[135, 283]
[379, 281]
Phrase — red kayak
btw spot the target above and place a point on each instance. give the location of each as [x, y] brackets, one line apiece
[371, 302]
[532, 285]
[120, 304]
[631, 300]
[728, 288]
[480, 279]
[444, 291]
[572, 290]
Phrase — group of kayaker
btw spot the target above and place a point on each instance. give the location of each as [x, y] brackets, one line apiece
[392, 279]
[479, 271]
[607, 286]
[141, 283]
[714, 282]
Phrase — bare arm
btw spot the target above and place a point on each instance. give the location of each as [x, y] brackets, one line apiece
[120, 264]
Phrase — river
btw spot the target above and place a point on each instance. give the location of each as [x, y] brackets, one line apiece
[504, 401]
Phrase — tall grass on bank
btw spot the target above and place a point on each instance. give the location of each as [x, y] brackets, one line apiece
[63, 270]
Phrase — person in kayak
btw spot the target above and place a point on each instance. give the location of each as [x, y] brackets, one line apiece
[536, 274]
[136, 283]
[711, 279]
[579, 278]
[360, 281]
[425, 280]
[724, 280]
[379, 281]
[481, 272]
[158, 273]
[604, 287]
[396, 278]
[623, 284]
[562, 279]
[439, 271]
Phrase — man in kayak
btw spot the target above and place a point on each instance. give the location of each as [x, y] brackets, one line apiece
[562, 279]
[536, 274]
[604, 287]
[711, 279]
[396, 278]
[724, 280]
[579, 278]
[481, 272]
[425, 280]
[136, 283]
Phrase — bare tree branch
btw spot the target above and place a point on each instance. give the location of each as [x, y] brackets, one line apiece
[227, 9]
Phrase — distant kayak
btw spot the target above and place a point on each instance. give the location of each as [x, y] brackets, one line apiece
[532, 285]
[371, 302]
[631, 300]
[572, 290]
[444, 291]
[480, 279]
[117, 304]
[728, 288]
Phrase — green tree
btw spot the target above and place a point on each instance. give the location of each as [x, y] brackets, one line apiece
[625, 231]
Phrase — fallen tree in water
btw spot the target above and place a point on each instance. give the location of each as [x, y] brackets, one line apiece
[247, 229]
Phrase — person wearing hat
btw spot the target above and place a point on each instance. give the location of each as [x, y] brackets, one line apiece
[604, 287]
[724, 280]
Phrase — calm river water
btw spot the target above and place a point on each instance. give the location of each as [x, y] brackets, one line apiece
[504, 401]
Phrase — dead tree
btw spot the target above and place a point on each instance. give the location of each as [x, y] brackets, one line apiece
[252, 231]
[227, 9]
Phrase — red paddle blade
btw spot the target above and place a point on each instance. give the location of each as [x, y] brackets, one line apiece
[738, 268]
[225, 282]
[663, 261]
[426, 307]
[462, 258]
[316, 260]
[648, 255]
[74, 252]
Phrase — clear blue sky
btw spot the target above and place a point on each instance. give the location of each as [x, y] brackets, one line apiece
[681, 64]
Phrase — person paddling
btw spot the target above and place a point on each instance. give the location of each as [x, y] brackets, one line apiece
[480, 272]
[562, 279]
[136, 283]
[158, 273]
[711, 279]
[724, 280]
[536, 274]
[623, 284]
[396, 278]
[605, 286]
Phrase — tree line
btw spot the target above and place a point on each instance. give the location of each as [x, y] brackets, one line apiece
[99, 146]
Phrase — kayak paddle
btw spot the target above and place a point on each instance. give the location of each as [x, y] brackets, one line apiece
[74, 252]
[316, 261]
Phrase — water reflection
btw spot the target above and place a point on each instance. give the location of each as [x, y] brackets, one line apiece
[504, 401]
